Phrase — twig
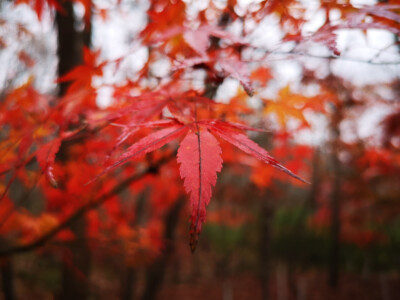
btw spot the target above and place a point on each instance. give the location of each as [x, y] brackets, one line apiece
[41, 241]
[331, 57]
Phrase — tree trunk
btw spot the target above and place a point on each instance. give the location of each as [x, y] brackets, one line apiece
[129, 275]
[315, 181]
[155, 273]
[69, 44]
[76, 265]
[334, 262]
[265, 219]
[335, 228]
[7, 278]
[127, 283]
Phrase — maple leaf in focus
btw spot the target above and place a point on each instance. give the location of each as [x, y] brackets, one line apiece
[200, 159]
[230, 134]
[148, 144]
[199, 156]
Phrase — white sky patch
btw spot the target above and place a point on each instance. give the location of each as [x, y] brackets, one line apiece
[355, 45]
[195, 7]
[334, 14]
[116, 35]
[318, 133]
[316, 18]
[227, 90]
[134, 62]
[255, 102]
[364, 125]
[348, 131]
[161, 67]
[287, 71]
[104, 96]
[363, 74]
[267, 34]
[380, 39]
[371, 119]
[195, 79]
[39, 43]
[362, 2]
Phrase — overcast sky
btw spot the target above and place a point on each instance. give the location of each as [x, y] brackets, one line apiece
[117, 37]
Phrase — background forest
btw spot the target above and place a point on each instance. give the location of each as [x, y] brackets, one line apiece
[134, 139]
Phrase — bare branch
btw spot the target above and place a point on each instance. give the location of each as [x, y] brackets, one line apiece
[331, 57]
[41, 241]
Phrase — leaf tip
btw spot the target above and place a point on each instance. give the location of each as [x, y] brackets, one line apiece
[290, 173]
[50, 177]
[249, 90]
[194, 239]
[54, 183]
[336, 52]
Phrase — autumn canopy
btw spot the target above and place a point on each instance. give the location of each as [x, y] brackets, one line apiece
[122, 120]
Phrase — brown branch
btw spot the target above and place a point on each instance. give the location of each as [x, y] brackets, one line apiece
[329, 57]
[19, 201]
[41, 241]
[78, 137]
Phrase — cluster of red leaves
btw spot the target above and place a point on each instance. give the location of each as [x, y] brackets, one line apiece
[368, 195]
[199, 154]
[43, 129]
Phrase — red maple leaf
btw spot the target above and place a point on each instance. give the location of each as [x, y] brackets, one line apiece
[200, 159]
[199, 156]
[46, 156]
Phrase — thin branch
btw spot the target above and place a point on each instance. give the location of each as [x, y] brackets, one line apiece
[41, 241]
[78, 137]
[20, 201]
[331, 57]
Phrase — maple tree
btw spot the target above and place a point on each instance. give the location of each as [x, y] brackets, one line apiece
[82, 155]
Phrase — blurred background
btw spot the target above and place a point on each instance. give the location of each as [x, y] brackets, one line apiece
[326, 86]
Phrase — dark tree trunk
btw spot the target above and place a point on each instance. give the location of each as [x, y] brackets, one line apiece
[315, 181]
[265, 219]
[76, 265]
[155, 273]
[128, 283]
[129, 275]
[69, 43]
[334, 259]
[335, 223]
[7, 279]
